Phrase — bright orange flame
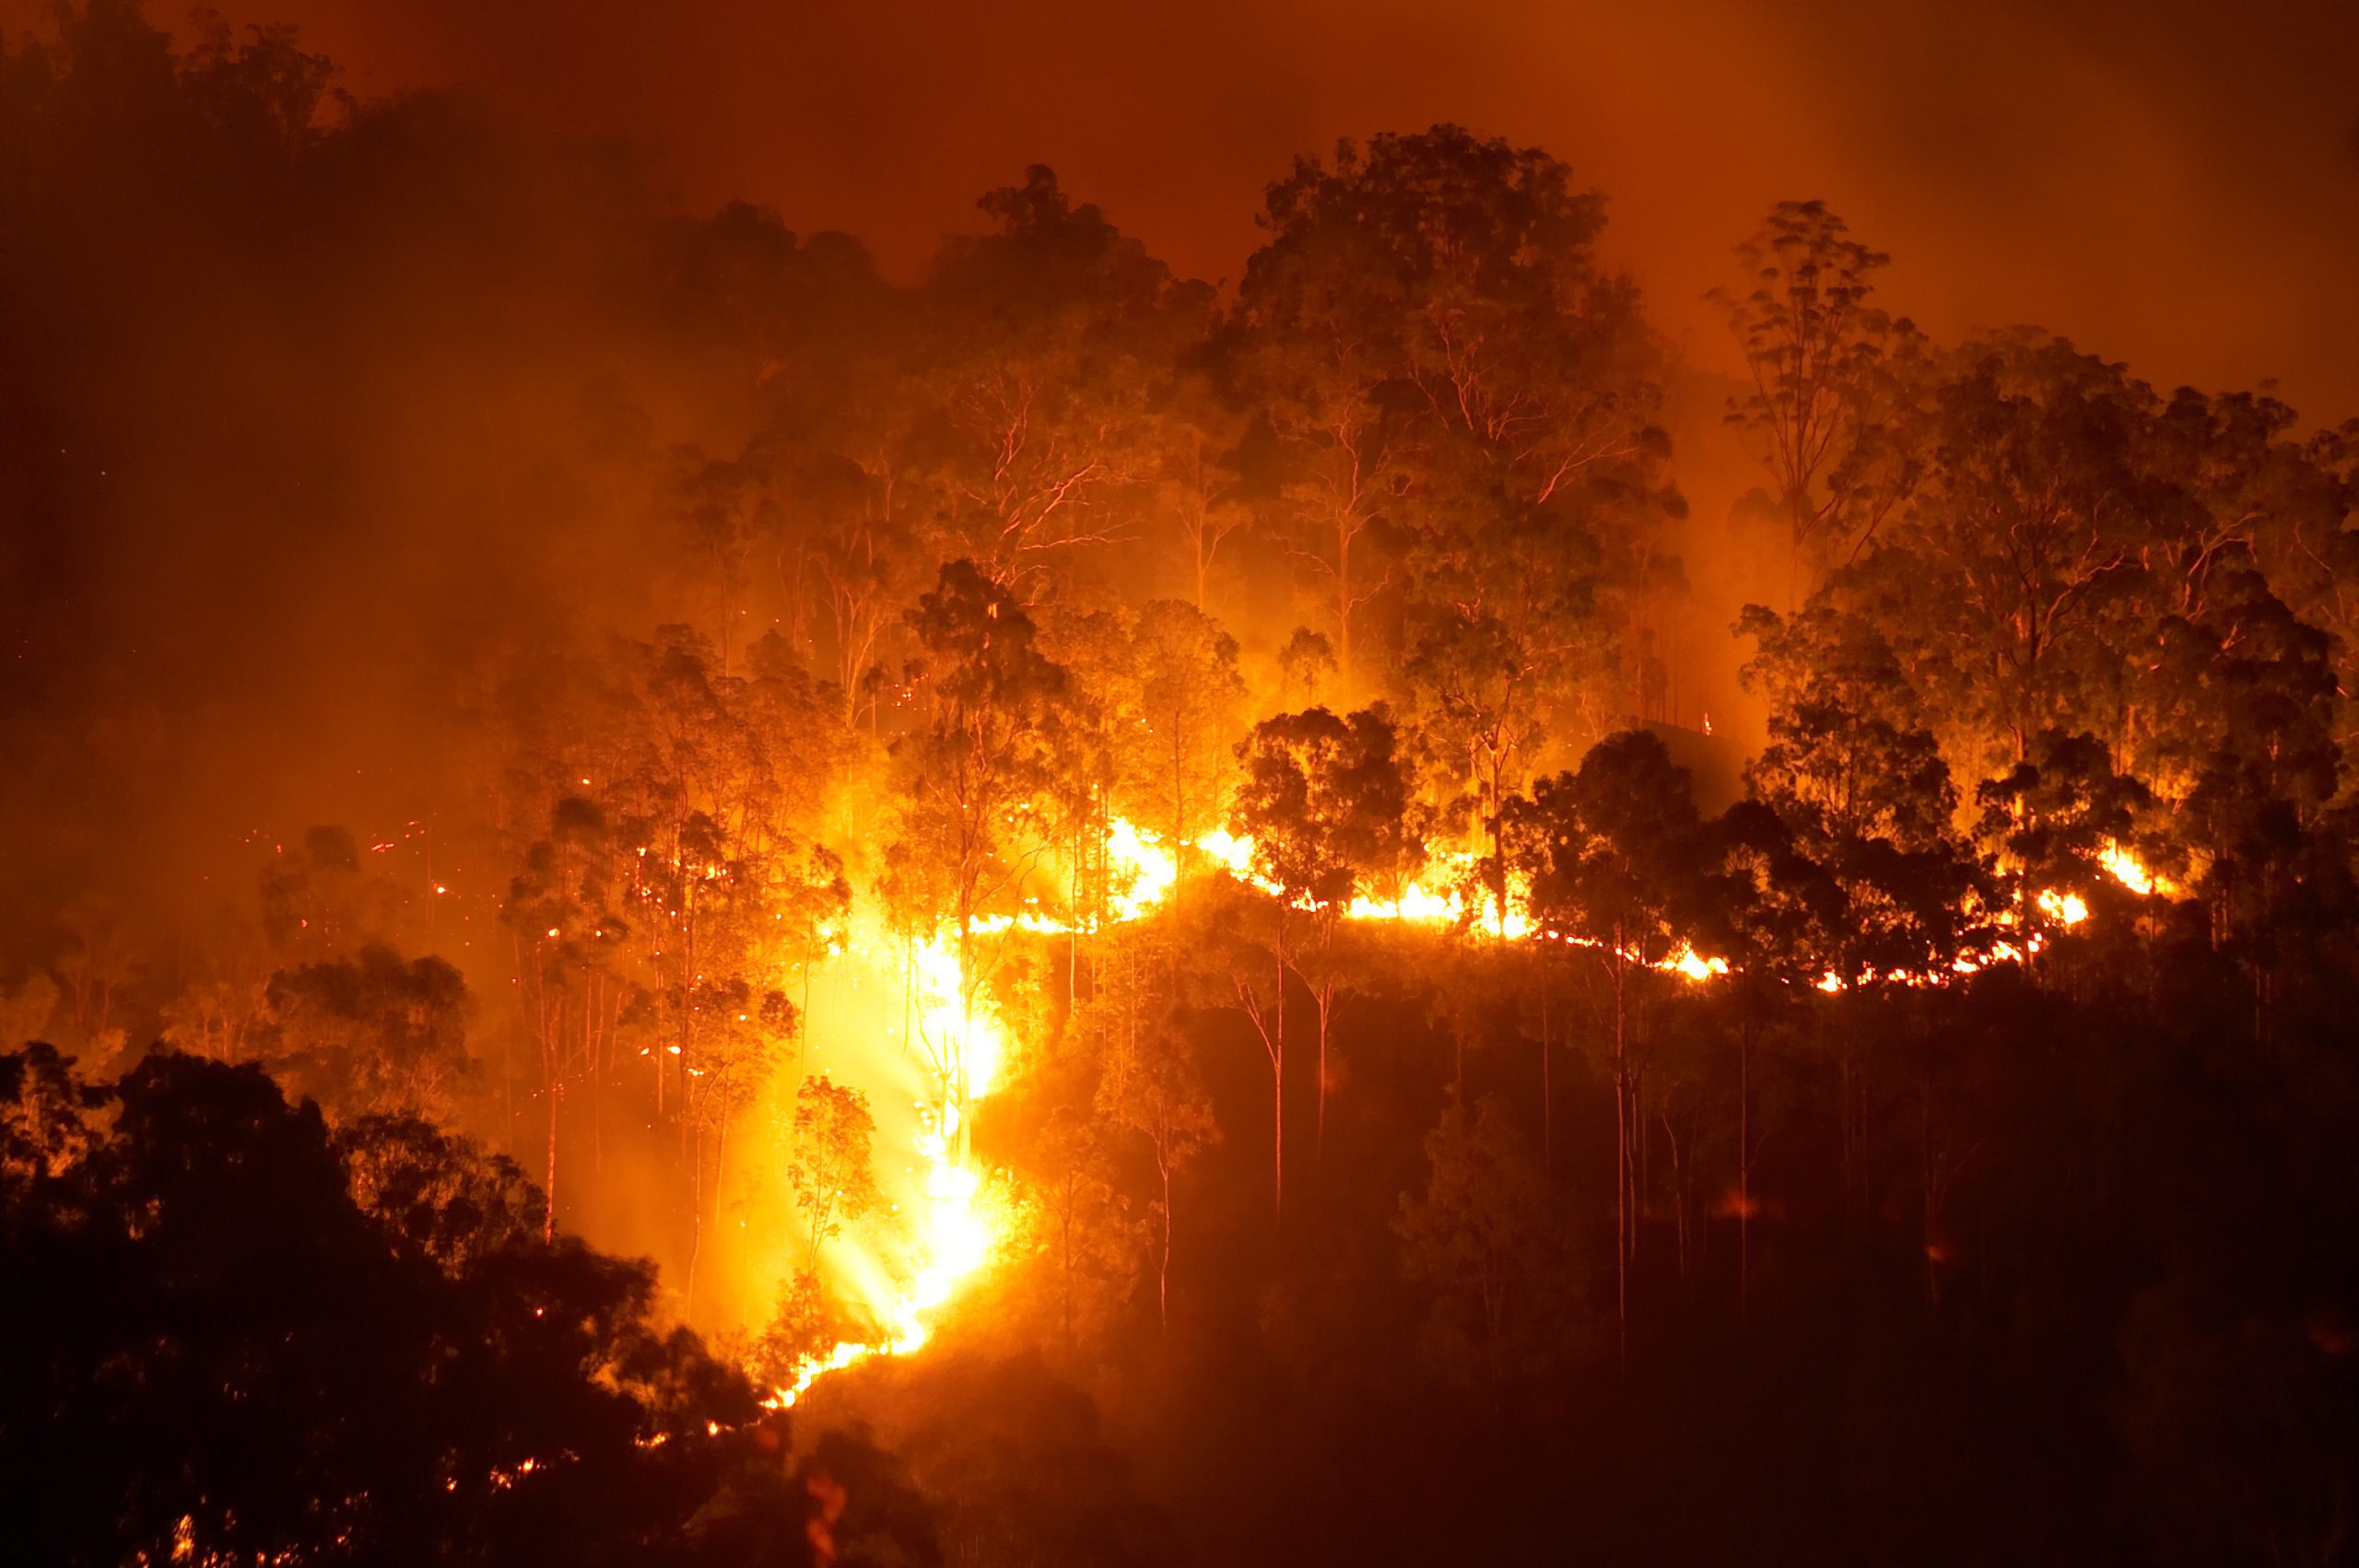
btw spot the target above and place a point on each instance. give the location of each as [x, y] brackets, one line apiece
[1233, 854]
[1149, 870]
[1695, 966]
[2126, 868]
[957, 1232]
[2064, 909]
[1450, 894]
[953, 1232]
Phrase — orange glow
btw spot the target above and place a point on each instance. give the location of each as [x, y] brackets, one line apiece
[2065, 909]
[1149, 869]
[2130, 872]
[954, 1231]
[1688, 961]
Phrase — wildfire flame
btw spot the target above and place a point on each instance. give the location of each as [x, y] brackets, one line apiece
[2064, 909]
[957, 1230]
[954, 1232]
[2126, 868]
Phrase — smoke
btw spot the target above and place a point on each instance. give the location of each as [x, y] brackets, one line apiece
[276, 450]
[2171, 183]
[282, 432]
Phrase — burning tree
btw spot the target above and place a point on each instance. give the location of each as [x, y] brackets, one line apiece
[973, 776]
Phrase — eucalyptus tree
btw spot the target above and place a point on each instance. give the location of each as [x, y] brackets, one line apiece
[1149, 1085]
[1829, 369]
[1052, 346]
[1441, 357]
[830, 1165]
[373, 1035]
[1486, 1240]
[976, 772]
[1616, 860]
[1325, 803]
[1182, 758]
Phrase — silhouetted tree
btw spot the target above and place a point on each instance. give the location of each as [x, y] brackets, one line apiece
[1324, 804]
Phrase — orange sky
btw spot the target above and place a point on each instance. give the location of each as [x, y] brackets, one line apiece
[2170, 182]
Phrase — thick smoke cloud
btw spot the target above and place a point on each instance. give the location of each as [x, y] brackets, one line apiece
[2174, 184]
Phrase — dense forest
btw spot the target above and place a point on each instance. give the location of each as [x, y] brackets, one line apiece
[665, 898]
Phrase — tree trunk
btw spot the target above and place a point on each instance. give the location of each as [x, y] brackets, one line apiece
[1547, 1093]
[696, 1211]
[548, 1212]
[1682, 1172]
[966, 1029]
[590, 1027]
[1623, 1218]
[1744, 1156]
[1324, 995]
[1064, 1234]
[1163, 1267]
[1343, 603]
[1278, 1096]
[719, 1164]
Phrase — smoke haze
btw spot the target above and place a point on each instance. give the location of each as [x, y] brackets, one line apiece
[2175, 184]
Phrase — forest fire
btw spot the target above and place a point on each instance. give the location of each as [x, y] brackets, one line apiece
[2126, 868]
[679, 894]
[945, 1228]
[955, 1242]
[955, 1235]
[2064, 909]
